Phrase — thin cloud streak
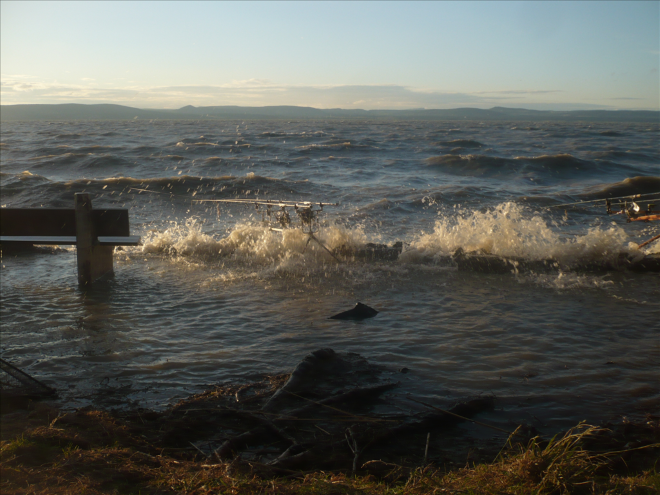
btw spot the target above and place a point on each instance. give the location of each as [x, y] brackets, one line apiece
[16, 89]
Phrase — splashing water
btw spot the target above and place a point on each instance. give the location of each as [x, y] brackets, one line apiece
[249, 242]
[512, 230]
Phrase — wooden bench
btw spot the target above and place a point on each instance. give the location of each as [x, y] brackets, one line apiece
[95, 233]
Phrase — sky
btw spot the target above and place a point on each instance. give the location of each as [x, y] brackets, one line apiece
[371, 55]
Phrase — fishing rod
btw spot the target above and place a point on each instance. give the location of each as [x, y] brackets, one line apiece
[620, 203]
[269, 202]
[309, 222]
[630, 208]
[631, 197]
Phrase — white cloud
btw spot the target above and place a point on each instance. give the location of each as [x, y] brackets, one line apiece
[519, 92]
[259, 92]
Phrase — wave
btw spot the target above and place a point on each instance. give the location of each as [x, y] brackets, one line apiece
[562, 165]
[72, 135]
[347, 145]
[624, 155]
[273, 134]
[181, 144]
[561, 161]
[95, 148]
[627, 187]
[22, 190]
[512, 230]
[249, 244]
[104, 162]
[508, 231]
[83, 161]
[11, 182]
[147, 149]
[18, 190]
[473, 165]
[66, 157]
[187, 186]
[462, 143]
[376, 207]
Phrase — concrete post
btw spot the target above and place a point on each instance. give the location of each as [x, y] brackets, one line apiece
[94, 261]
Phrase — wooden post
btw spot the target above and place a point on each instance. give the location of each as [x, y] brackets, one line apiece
[94, 261]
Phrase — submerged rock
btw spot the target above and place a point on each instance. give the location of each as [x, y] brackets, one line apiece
[479, 261]
[320, 373]
[371, 252]
[359, 312]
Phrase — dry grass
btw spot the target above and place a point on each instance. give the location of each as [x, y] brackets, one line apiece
[93, 452]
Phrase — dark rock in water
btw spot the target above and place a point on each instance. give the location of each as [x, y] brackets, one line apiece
[322, 371]
[488, 263]
[478, 261]
[649, 263]
[371, 252]
[359, 312]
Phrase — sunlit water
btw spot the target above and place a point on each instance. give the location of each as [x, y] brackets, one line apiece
[213, 295]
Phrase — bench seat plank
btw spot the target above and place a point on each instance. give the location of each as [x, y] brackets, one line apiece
[46, 240]
[40, 239]
[130, 240]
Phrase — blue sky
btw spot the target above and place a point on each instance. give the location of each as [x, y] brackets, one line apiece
[544, 55]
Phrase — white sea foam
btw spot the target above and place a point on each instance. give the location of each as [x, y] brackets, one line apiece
[249, 242]
[511, 230]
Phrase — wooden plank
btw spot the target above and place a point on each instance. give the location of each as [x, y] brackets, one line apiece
[39, 239]
[111, 222]
[37, 222]
[130, 240]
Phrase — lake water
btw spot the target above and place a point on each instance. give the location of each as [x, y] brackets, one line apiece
[213, 295]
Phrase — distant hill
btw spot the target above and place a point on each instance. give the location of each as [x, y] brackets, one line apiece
[75, 111]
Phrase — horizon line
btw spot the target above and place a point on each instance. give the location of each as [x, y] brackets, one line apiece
[417, 109]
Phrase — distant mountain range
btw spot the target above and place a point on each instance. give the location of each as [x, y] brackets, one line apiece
[75, 111]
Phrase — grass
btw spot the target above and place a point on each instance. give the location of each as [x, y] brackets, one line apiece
[94, 452]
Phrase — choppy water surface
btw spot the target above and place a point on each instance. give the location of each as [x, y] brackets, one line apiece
[213, 295]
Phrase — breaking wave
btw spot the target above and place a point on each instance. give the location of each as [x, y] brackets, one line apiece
[511, 230]
[462, 143]
[627, 187]
[249, 244]
[16, 187]
[346, 145]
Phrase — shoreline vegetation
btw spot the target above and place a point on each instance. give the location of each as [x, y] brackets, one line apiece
[331, 426]
[45, 450]
[78, 111]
